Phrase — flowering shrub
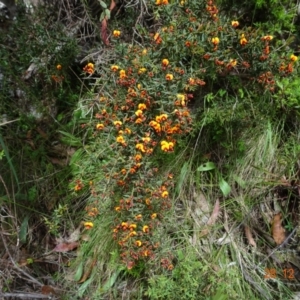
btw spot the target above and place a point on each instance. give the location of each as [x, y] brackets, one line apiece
[143, 108]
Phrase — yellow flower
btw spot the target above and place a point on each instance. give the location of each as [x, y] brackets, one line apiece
[146, 228]
[122, 74]
[139, 113]
[116, 33]
[120, 139]
[233, 62]
[140, 147]
[148, 201]
[138, 243]
[138, 217]
[293, 57]
[161, 118]
[88, 225]
[153, 216]
[215, 41]
[235, 24]
[144, 52]
[99, 126]
[58, 67]
[267, 38]
[165, 194]
[114, 68]
[117, 123]
[169, 77]
[142, 71]
[89, 68]
[132, 226]
[127, 131]
[243, 40]
[139, 86]
[180, 97]
[138, 157]
[165, 62]
[117, 208]
[132, 233]
[146, 139]
[142, 106]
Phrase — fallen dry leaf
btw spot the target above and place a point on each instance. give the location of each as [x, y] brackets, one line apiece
[48, 290]
[249, 236]
[212, 219]
[104, 35]
[65, 247]
[214, 216]
[278, 232]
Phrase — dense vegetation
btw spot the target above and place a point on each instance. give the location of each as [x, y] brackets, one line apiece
[150, 150]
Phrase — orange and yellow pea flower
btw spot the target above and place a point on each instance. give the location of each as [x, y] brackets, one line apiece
[142, 71]
[88, 225]
[140, 147]
[114, 68]
[138, 243]
[267, 38]
[161, 118]
[153, 216]
[243, 40]
[169, 77]
[235, 24]
[122, 74]
[139, 113]
[161, 2]
[117, 123]
[142, 106]
[165, 194]
[293, 58]
[89, 68]
[145, 228]
[146, 139]
[58, 67]
[116, 33]
[138, 217]
[165, 62]
[215, 41]
[120, 139]
[99, 126]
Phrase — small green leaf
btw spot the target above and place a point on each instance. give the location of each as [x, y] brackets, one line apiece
[102, 16]
[206, 166]
[70, 139]
[110, 282]
[107, 13]
[79, 272]
[103, 4]
[225, 187]
[23, 230]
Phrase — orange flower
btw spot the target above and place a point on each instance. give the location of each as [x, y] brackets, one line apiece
[127, 131]
[140, 147]
[161, 118]
[165, 62]
[293, 57]
[267, 38]
[138, 243]
[138, 217]
[142, 106]
[116, 33]
[132, 226]
[139, 113]
[99, 126]
[157, 38]
[132, 233]
[120, 139]
[58, 67]
[122, 74]
[138, 157]
[78, 187]
[145, 228]
[114, 68]
[165, 194]
[153, 216]
[169, 77]
[117, 123]
[146, 139]
[243, 40]
[215, 41]
[89, 68]
[148, 201]
[88, 225]
[235, 24]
